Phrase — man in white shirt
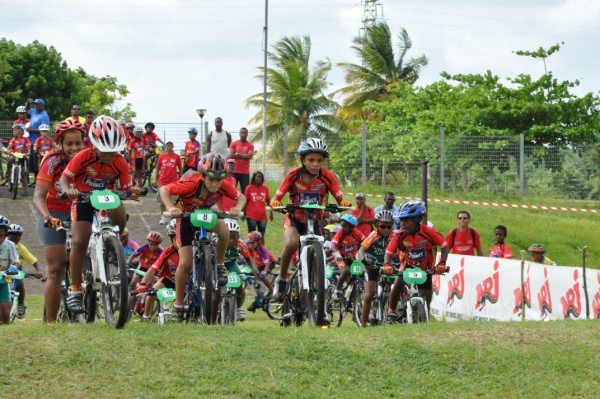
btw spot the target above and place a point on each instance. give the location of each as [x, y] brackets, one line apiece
[219, 140]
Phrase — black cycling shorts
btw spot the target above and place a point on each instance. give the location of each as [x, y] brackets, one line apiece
[371, 274]
[167, 282]
[82, 212]
[139, 164]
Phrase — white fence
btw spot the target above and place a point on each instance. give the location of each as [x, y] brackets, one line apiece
[479, 288]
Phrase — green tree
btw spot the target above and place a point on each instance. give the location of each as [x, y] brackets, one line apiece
[295, 94]
[381, 68]
[38, 71]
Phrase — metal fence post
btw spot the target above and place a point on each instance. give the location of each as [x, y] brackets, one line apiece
[522, 164]
[285, 150]
[364, 153]
[585, 290]
[442, 157]
[424, 167]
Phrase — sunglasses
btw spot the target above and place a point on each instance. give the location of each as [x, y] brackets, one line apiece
[75, 109]
[385, 226]
[463, 218]
[153, 242]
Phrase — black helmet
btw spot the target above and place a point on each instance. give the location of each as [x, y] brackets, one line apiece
[213, 165]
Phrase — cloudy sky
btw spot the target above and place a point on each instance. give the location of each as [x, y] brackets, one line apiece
[176, 56]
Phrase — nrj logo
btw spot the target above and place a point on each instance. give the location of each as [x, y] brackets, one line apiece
[489, 289]
[436, 283]
[544, 298]
[571, 301]
[596, 301]
[519, 294]
[456, 284]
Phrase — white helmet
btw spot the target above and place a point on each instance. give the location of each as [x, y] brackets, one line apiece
[106, 135]
[21, 108]
[15, 229]
[171, 227]
[44, 127]
[313, 145]
[232, 225]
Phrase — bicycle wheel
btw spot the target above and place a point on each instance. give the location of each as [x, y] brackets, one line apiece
[333, 308]
[315, 297]
[382, 307]
[419, 313]
[227, 310]
[115, 292]
[90, 302]
[16, 172]
[358, 298]
[208, 270]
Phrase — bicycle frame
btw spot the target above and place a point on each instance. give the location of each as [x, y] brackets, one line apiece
[305, 241]
[413, 299]
[101, 229]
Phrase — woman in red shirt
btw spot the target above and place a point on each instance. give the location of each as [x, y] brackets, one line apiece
[51, 211]
[257, 197]
[168, 170]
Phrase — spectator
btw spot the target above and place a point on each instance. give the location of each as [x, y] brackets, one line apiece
[464, 240]
[89, 118]
[168, 170]
[500, 249]
[364, 214]
[537, 252]
[226, 203]
[137, 153]
[219, 140]
[21, 145]
[44, 143]
[38, 117]
[388, 204]
[22, 118]
[75, 114]
[257, 197]
[242, 152]
[129, 246]
[192, 151]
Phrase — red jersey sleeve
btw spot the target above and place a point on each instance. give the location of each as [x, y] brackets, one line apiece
[507, 252]
[178, 162]
[158, 263]
[284, 187]
[160, 162]
[394, 245]
[75, 165]
[243, 249]
[185, 186]
[37, 142]
[229, 191]
[124, 176]
[337, 237]
[334, 185]
[449, 241]
[367, 242]
[11, 144]
[436, 237]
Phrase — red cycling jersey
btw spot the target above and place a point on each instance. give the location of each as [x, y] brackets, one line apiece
[138, 147]
[20, 145]
[261, 256]
[315, 192]
[150, 138]
[167, 263]
[44, 144]
[418, 247]
[188, 191]
[88, 173]
[348, 244]
[500, 251]
[51, 170]
[147, 256]
[191, 154]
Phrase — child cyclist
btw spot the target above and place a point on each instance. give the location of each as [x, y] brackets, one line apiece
[95, 168]
[137, 151]
[372, 254]
[165, 267]
[199, 190]
[262, 258]
[15, 232]
[21, 145]
[417, 241]
[309, 183]
[8, 259]
[146, 255]
[236, 249]
[44, 143]
[52, 211]
[345, 245]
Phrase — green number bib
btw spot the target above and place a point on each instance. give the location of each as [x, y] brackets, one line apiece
[357, 268]
[233, 280]
[104, 199]
[414, 276]
[312, 206]
[203, 219]
[245, 269]
[165, 295]
[329, 272]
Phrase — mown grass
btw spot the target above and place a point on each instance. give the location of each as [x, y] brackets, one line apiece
[563, 233]
[259, 359]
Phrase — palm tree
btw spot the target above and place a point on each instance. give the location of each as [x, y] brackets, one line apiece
[295, 94]
[380, 68]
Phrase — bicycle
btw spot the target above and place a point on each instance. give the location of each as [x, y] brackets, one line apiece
[382, 299]
[415, 308]
[151, 161]
[108, 269]
[15, 174]
[11, 276]
[354, 294]
[227, 310]
[203, 280]
[311, 282]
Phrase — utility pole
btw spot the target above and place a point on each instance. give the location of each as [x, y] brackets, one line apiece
[264, 105]
[372, 11]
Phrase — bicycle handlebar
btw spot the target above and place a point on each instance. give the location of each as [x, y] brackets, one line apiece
[124, 195]
[333, 208]
[220, 215]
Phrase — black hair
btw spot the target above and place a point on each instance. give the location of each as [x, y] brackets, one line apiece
[390, 193]
[253, 179]
[468, 215]
[501, 227]
[90, 113]
[169, 142]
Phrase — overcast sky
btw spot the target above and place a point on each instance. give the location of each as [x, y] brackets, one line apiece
[176, 56]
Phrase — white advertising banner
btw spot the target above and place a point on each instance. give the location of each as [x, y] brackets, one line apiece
[478, 288]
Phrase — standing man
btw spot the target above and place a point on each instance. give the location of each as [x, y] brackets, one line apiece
[388, 205]
[364, 214]
[192, 151]
[38, 117]
[219, 140]
[75, 114]
[464, 240]
[242, 152]
[89, 118]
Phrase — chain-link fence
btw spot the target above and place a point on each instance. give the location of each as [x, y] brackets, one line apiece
[503, 165]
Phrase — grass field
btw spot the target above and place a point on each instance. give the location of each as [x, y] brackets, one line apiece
[562, 232]
[259, 359]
